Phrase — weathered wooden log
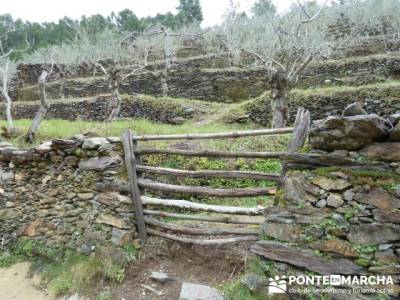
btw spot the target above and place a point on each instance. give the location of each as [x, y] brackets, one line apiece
[201, 231]
[300, 130]
[202, 242]
[222, 135]
[212, 153]
[203, 207]
[207, 173]
[204, 191]
[231, 220]
[299, 136]
[323, 160]
[130, 164]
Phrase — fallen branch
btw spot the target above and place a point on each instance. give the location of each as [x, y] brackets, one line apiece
[203, 207]
[204, 191]
[199, 136]
[212, 153]
[207, 173]
[231, 220]
[202, 242]
[201, 231]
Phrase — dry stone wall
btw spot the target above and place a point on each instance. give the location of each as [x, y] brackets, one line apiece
[339, 220]
[383, 101]
[335, 222]
[193, 78]
[98, 109]
[49, 193]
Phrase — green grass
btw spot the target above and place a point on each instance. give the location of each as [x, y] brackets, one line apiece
[236, 291]
[55, 128]
[332, 90]
[52, 129]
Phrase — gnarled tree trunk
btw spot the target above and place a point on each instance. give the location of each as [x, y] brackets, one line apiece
[279, 102]
[41, 113]
[115, 99]
[7, 99]
[164, 83]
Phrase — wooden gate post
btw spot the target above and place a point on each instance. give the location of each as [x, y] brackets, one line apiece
[299, 136]
[130, 164]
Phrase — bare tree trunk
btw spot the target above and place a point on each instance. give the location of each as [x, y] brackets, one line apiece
[279, 101]
[164, 83]
[115, 100]
[279, 108]
[10, 124]
[4, 92]
[44, 105]
[62, 85]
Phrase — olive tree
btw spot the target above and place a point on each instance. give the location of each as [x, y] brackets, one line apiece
[106, 53]
[113, 72]
[282, 44]
[44, 103]
[166, 42]
[359, 22]
[7, 69]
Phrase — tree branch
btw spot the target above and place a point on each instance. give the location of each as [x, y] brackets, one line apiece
[265, 61]
[309, 18]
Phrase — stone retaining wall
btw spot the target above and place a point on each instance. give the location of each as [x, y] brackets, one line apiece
[49, 193]
[383, 101]
[98, 110]
[335, 222]
[193, 80]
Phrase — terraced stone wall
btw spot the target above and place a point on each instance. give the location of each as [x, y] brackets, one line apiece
[98, 109]
[383, 101]
[208, 79]
[49, 193]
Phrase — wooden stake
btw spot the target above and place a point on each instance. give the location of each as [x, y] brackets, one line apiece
[130, 164]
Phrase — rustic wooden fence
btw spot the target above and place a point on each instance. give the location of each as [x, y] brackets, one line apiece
[146, 218]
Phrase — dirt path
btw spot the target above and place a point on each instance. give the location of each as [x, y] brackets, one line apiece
[15, 284]
[203, 265]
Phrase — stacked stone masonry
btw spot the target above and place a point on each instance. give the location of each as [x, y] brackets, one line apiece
[208, 78]
[49, 193]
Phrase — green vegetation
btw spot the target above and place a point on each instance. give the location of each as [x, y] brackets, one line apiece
[54, 128]
[45, 34]
[64, 270]
[365, 254]
[235, 291]
[385, 89]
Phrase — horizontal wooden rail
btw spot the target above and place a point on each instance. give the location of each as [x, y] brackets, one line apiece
[223, 135]
[229, 220]
[205, 191]
[201, 231]
[201, 242]
[207, 173]
[211, 153]
[184, 204]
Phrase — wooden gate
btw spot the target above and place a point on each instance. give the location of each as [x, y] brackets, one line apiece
[146, 221]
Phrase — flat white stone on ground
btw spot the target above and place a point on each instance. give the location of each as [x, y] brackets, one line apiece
[192, 291]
